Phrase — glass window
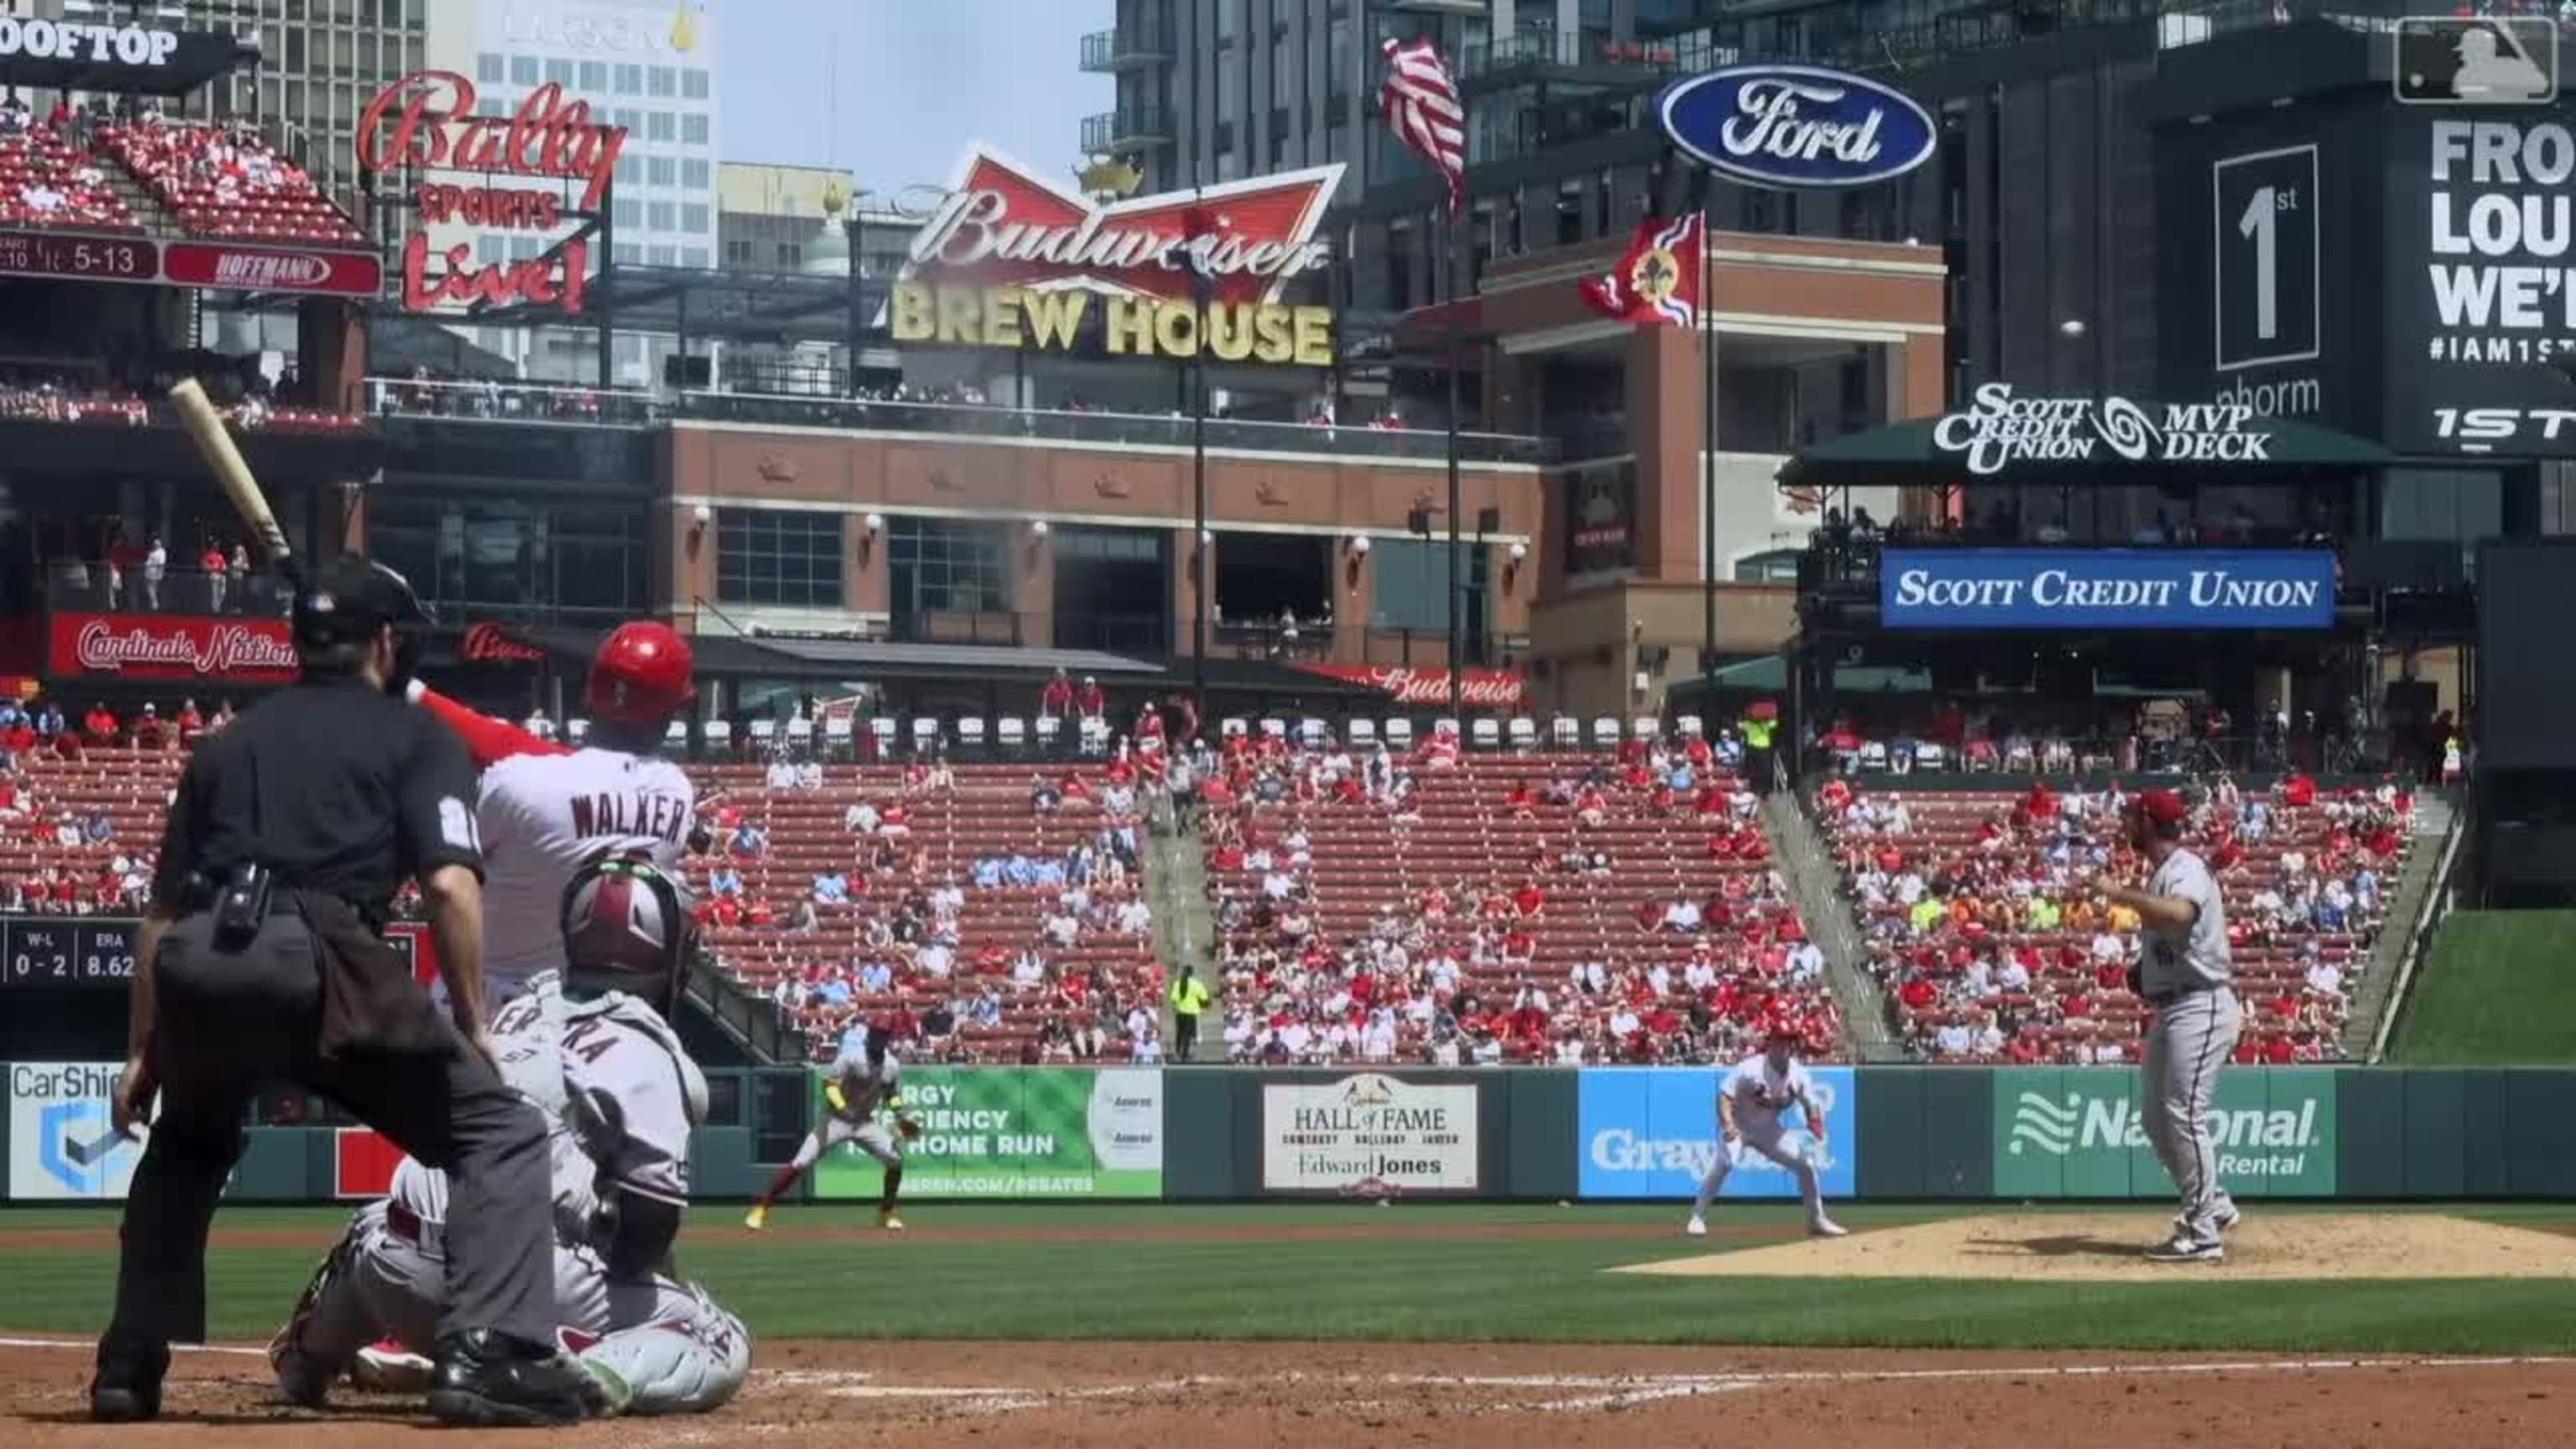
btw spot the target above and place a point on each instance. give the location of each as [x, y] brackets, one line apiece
[661, 81]
[489, 69]
[662, 256]
[630, 168]
[947, 566]
[693, 218]
[559, 71]
[1229, 92]
[594, 77]
[658, 216]
[629, 213]
[629, 119]
[779, 556]
[660, 126]
[525, 71]
[630, 80]
[660, 170]
[694, 258]
[694, 173]
[1229, 20]
[1408, 588]
[693, 84]
[693, 129]
[485, 555]
[629, 254]
[1283, 87]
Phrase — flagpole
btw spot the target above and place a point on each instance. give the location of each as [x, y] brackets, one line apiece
[1202, 581]
[1457, 580]
[1707, 476]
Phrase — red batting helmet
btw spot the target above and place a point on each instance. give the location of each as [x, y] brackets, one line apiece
[643, 674]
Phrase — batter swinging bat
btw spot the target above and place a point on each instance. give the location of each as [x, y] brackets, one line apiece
[215, 443]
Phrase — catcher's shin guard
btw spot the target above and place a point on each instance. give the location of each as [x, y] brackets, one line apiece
[669, 1366]
[302, 1379]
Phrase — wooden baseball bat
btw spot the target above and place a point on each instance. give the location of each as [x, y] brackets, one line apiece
[215, 443]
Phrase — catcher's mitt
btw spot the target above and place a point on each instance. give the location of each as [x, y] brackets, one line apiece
[908, 1127]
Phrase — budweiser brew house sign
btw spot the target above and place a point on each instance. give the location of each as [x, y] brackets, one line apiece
[1008, 260]
[524, 172]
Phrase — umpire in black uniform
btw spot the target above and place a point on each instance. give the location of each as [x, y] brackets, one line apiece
[261, 958]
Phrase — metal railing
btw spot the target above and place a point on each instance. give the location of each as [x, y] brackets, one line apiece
[76, 586]
[512, 402]
[1593, 47]
[1113, 130]
[1110, 50]
[1171, 430]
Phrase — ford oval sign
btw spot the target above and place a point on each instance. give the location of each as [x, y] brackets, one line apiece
[1797, 126]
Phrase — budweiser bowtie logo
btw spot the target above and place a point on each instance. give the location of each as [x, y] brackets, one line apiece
[106, 647]
[1001, 225]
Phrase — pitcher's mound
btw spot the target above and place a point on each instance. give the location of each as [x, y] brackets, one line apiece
[2107, 1248]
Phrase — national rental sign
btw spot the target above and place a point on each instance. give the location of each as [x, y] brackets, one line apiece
[2079, 1132]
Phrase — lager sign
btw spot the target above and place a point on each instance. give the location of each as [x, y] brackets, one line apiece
[1008, 260]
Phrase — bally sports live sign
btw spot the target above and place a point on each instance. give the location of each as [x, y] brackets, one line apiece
[2114, 588]
[1008, 260]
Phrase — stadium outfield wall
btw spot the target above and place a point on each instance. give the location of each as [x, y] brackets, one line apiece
[1219, 1134]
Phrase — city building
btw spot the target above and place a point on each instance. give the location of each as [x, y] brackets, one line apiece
[321, 62]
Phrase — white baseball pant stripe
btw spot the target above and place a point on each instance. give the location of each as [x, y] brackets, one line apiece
[1775, 1144]
[871, 1137]
[2191, 1039]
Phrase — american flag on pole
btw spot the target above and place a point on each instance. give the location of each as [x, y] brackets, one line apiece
[1657, 281]
[1420, 102]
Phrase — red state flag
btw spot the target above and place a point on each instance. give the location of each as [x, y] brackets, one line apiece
[1658, 280]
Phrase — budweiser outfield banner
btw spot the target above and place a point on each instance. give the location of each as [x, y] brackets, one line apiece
[1477, 688]
[173, 647]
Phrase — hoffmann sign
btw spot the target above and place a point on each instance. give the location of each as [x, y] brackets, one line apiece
[520, 172]
[1008, 260]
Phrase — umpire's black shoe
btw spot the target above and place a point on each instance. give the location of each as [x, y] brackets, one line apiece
[127, 1389]
[493, 1380]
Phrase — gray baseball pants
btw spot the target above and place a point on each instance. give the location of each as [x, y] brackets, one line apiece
[2191, 1040]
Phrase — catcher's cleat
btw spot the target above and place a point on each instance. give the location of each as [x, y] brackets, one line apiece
[890, 1220]
[757, 1218]
[301, 1379]
[386, 1367]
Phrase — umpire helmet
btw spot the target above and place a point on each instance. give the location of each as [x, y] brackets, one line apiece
[625, 929]
[340, 606]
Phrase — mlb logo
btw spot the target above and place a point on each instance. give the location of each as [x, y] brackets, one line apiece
[2476, 60]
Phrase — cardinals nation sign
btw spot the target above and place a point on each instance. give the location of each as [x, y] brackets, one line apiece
[1009, 260]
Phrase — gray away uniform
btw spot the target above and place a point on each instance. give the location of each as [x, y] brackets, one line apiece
[2185, 979]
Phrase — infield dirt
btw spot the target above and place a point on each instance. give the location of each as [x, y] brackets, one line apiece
[2107, 1248]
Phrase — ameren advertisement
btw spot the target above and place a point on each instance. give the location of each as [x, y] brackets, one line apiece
[2078, 1132]
[62, 1145]
[2044, 588]
[1368, 1134]
[1651, 1132]
[1017, 1133]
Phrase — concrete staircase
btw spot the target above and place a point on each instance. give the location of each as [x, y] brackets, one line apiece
[1184, 926]
[1816, 886]
[2416, 907]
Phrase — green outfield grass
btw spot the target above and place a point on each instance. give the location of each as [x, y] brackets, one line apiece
[2499, 990]
[1435, 1286]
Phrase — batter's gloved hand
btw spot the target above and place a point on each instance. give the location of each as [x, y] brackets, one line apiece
[832, 1096]
[908, 1127]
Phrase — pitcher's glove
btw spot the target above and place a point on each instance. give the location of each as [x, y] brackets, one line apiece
[908, 1127]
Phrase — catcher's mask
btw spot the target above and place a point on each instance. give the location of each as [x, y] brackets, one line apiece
[625, 929]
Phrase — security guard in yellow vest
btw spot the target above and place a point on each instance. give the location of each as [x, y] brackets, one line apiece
[1757, 727]
[1189, 997]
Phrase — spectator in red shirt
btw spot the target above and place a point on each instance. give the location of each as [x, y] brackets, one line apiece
[1056, 700]
[191, 724]
[99, 724]
[1529, 900]
[1091, 699]
[149, 733]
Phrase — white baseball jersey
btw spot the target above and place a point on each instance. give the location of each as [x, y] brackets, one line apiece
[543, 818]
[862, 1087]
[619, 1094]
[1762, 1094]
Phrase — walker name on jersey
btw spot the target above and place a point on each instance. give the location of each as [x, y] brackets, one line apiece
[608, 813]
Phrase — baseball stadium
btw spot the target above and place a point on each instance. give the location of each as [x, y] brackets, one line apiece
[1560, 722]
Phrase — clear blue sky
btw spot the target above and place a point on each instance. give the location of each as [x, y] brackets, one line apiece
[894, 89]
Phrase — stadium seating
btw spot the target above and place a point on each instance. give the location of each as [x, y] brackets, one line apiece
[227, 184]
[47, 182]
[1448, 875]
[2295, 968]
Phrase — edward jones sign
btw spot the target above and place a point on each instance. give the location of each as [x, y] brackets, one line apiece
[2111, 588]
[168, 646]
[1368, 1134]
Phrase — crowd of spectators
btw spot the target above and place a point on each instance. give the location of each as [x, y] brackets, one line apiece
[49, 180]
[227, 183]
[78, 820]
[1502, 952]
[1980, 917]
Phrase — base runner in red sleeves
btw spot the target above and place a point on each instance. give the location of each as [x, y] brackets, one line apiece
[549, 809]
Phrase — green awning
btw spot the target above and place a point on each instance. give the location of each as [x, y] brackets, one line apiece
[1770, 675]
[1906, 453]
